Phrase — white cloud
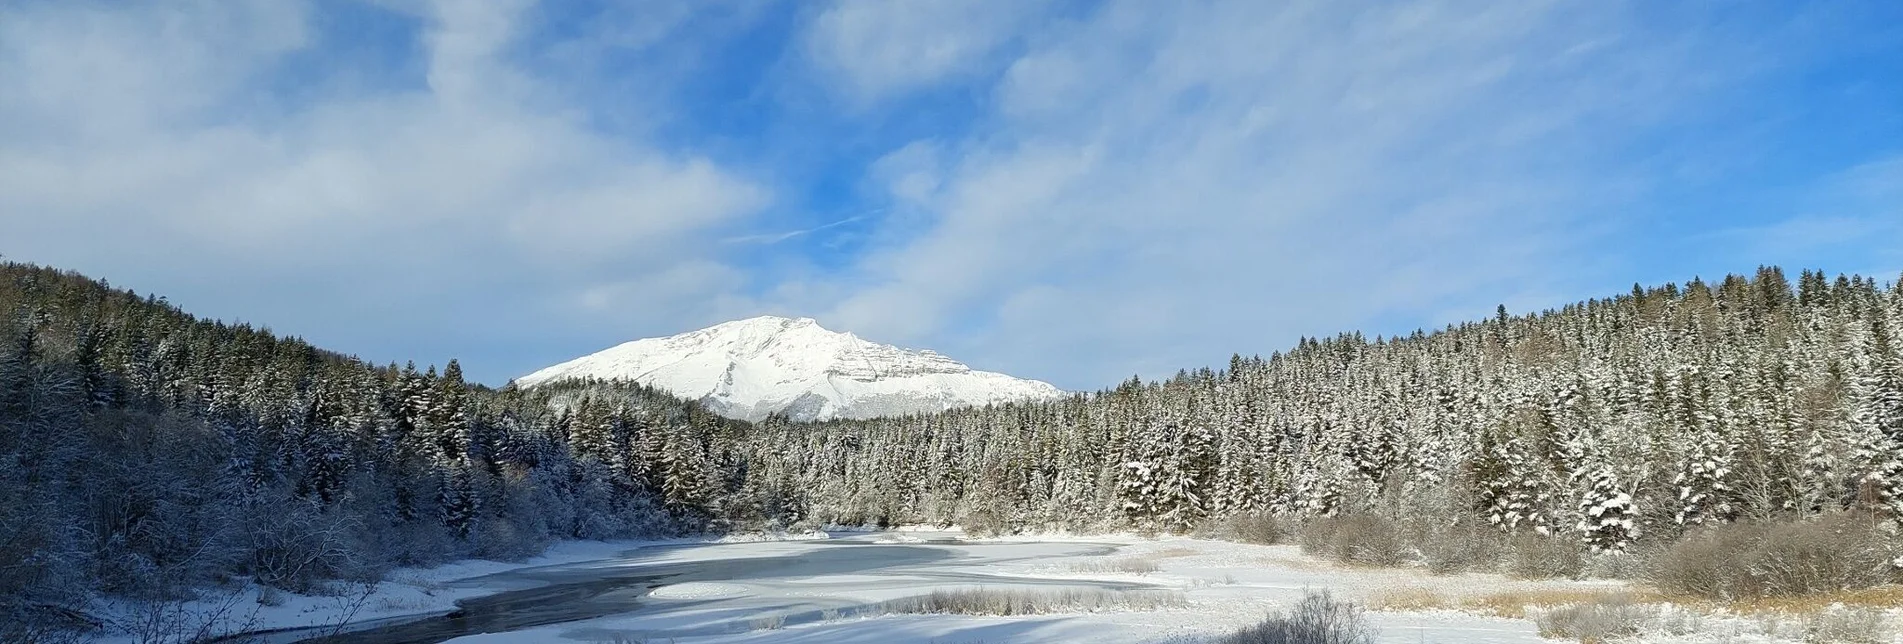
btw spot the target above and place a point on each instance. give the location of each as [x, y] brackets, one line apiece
[1143, 186]
[1200, 178]
[136, 136]
[883, 47]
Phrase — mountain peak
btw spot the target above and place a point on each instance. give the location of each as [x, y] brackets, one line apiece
[769, 364]
[768, 321]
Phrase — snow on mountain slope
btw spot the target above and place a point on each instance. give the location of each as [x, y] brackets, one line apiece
[750, 368]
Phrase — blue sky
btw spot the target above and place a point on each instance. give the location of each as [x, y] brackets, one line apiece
[1069, 191]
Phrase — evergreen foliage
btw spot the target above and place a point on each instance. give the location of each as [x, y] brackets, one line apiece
[144, 452]
[1610, 422]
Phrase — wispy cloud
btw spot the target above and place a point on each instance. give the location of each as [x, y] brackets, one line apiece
[1182, 181]
[775, 238]
[150, 145]
[1072, 191]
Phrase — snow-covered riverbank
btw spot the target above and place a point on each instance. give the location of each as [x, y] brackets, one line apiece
[812, 590]
[404, 592]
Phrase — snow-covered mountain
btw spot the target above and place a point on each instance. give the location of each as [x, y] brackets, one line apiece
[750, 368]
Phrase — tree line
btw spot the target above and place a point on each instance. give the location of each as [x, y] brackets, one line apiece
[1610, 422]
[145, 452]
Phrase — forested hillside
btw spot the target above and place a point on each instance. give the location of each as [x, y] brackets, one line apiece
[144, 452]
[1618, 419]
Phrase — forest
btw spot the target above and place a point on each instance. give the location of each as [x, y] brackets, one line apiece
[145, 453]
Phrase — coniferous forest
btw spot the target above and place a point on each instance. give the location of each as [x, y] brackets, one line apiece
[144, 452]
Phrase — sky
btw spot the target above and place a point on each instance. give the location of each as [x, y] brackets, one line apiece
[1075, 192]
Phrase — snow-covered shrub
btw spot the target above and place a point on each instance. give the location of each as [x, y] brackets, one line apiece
[983, 522]
[1835, 552]
[1615, 565]
[1357, 538]
[1253, 527]
[297, 546]
[1598, 621]
[1129, 565]
[1752, 560]
[1317, 619]
[505, 540]
[1533, 556]
[36, 633]
[1011, 602]
[772, 622]
[1464, 547]
[1848, 625]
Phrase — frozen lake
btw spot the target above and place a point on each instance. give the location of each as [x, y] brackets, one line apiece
[811, 591]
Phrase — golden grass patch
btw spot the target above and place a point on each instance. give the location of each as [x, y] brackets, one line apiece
[1298, 564]
[1512, 604]
[1515, 603]
[1879, 597]
[1408, 599]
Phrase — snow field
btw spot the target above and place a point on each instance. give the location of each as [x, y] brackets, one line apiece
[1222, 586]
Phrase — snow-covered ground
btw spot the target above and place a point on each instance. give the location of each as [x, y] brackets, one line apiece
[405, 592]
[1225, 585]
[814, 588]
[810, 591]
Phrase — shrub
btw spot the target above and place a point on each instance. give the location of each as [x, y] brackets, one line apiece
[1254, 527]
[1359, 538]
[1849, 625]
[772, 622]
[1616, 565]
[1317, 619]
[1131, 565]
[1756, 560]
[984, 523]
[1598, 621]
[1465, 547]
[1533, 556]
[297, 546]
[1836, 552]
[1012, 602]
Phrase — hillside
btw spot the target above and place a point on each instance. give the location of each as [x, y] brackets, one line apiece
[144, 452]
[147, 452]
[1606, 424]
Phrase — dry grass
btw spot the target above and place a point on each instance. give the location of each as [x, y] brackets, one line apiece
[1300, 564]
[1409, 599]
[1141, 564]
[1880, 597]
[1128, 565]
[1012, 602]
[1511, 604]
[1171, 553]
[1848, 625]
[1597, 622]
[1598, 615]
